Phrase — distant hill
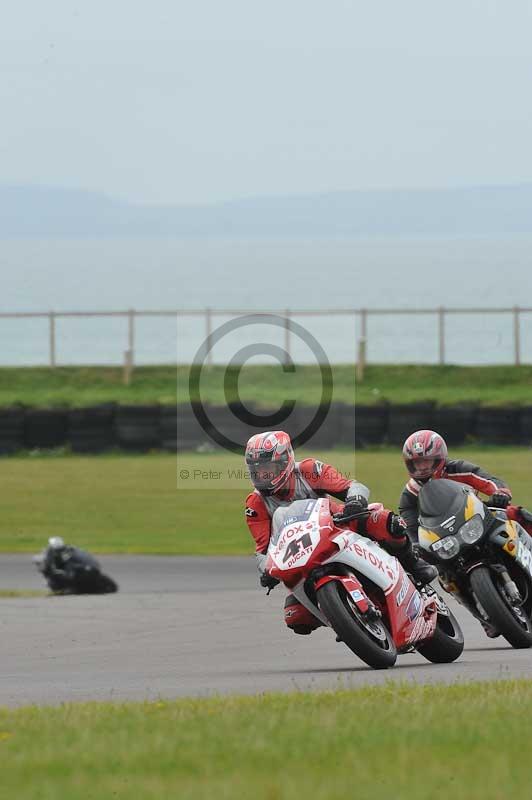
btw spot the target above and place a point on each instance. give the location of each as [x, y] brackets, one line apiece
[42, 211]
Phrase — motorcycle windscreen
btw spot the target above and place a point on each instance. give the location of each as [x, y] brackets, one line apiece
[298, 511]
[443, 505]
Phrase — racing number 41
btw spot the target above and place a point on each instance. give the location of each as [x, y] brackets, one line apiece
[296, 545]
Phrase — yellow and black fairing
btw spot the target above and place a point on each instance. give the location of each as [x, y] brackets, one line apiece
[512, 538]
[458, 533]
[444, 509]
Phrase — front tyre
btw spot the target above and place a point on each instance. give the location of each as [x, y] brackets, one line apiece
[370, 640]
[513, 623]
[106, 585]
[447, 642]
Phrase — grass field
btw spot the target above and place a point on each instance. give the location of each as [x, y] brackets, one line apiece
[468, 742]
[78, 386]
[139, 504]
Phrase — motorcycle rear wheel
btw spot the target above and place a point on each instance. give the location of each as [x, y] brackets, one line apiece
[517, 632]
[377, 650]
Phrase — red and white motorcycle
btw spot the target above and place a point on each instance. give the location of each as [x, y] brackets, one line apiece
[352, 585]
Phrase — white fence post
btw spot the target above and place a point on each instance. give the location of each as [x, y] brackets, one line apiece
[441, 334]
[208, 334]
[287, 336]
[517, 337]
[131, 337]
[51, 337]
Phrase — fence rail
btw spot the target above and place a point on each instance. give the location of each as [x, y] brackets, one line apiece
[208, 314]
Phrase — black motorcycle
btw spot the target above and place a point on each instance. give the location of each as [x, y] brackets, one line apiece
[483, 558]
[77, 572]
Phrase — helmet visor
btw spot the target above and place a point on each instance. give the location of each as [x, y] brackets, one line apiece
[265, 474]
[422, 468]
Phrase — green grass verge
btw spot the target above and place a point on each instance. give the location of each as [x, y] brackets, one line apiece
[137, 504]
[14, 593]
[468, 742]
[79, 386]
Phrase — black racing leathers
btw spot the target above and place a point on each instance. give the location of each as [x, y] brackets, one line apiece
[454, 470]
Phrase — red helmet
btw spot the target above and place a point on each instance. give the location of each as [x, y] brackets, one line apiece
[270, 459]
[425, 453]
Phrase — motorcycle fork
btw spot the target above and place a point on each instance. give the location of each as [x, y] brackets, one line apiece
[374, 609]
[510, 587]
[460, 589]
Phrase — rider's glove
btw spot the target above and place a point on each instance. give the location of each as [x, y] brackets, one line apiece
[355, 504]
[500, 499]
[396, 526]
[268, 581]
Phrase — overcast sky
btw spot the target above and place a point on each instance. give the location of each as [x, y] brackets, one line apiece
[205, 100]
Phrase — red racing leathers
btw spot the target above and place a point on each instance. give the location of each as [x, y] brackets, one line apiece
[311, 479]
[464, 472]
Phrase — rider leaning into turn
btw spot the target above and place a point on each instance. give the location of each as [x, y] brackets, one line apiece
[279, 480]
[426, 458]
[55, 562]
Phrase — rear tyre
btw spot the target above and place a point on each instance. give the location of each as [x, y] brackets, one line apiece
[447, 643]
[369, 640]
[514, 625]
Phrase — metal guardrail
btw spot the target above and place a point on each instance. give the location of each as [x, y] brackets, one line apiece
[208, 314]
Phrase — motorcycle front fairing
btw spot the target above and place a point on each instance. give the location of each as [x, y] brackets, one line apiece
[301, 536]
[462, 534]
[452, 521]
[456, 525]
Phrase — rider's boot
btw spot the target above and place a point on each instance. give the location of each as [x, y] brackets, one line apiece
[489, 630]
[413, 564]
[299, 618]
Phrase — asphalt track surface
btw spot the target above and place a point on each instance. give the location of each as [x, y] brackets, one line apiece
[191, 626]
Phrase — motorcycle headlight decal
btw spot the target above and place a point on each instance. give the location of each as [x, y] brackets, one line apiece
[474, 507]
[472, 531]
[426, 538]
[446, 548]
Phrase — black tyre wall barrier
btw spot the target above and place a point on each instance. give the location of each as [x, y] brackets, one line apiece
[526, 425]
[45, 428]
[327, 434]
[180, 430]
[456, 423]
[405, 419]
[168, 429]
[141, 428]
[92, 430]
[499, 425]
[371, 424]
[231, 422]
[11, 430]
[137, 428]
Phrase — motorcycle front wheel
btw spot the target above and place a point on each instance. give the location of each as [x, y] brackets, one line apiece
[106, 585]
[370, 640]
[513, 623]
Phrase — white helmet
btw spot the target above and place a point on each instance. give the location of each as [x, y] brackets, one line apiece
[56, 543]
